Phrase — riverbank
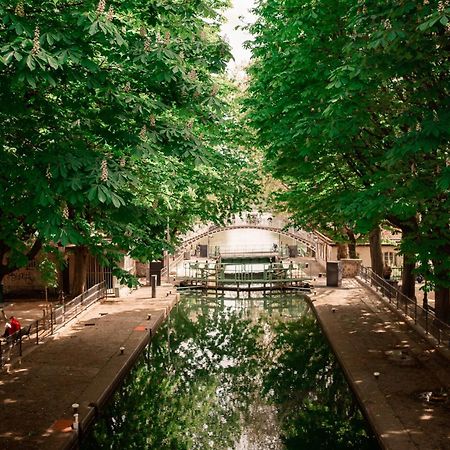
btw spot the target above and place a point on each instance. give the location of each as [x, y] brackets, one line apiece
[81, 364]
[400, 380]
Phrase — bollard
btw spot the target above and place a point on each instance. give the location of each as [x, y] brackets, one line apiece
[122, 349]
[75, 422]
[154, 281]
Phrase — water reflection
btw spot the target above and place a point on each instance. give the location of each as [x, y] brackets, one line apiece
[234, 374]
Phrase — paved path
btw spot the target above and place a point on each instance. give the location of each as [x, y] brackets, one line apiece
[368, 337]
[77, 365]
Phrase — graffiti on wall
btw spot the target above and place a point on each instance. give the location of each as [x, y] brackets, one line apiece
[26, 278]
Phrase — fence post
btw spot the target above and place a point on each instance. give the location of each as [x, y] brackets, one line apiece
[51, 321]
[37, 332]
[1, 355]
[154, 281]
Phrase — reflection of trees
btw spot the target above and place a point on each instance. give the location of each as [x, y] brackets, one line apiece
[212, 377]
[316, 408]
[190, 390]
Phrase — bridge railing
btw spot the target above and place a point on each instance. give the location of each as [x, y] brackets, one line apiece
[424, 317]
[276, 225]
[245, 271]
[316, 243]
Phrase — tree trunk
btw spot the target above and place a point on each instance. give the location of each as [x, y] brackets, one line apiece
[342, 251]
[1, 287]
[442, 276]
[376, 254]
[351, 244]
[409, 230]
[408, 277]
[442, 304]
[80, 274]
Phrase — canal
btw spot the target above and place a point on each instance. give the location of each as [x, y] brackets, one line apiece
[228, 373]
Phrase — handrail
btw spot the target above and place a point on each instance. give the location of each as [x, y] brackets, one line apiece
[253, 272]
[57, 317]
[300, 235]
[424, 317]
[70, 310]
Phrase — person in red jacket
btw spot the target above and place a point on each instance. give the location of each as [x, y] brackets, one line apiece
[11, 327]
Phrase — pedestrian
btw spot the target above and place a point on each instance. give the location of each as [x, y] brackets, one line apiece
[12, 326]
[387, 271]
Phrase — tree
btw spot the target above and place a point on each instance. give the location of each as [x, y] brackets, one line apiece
[113, 121]
[349, 101]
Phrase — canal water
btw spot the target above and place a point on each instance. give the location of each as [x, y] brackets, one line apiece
[228, 373]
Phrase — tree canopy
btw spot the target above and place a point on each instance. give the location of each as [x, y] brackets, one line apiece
[351, 103]
[116, 118]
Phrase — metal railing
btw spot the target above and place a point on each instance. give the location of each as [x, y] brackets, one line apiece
[68, 311]
[264, 221]
[424, 317]
[52, 319]
[253, 272]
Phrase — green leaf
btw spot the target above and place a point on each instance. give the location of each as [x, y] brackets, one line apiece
[93, 193]
[93, 28]
[19, 28]
[116, 200]
[31, 62]
[52, 61]
[101, 194]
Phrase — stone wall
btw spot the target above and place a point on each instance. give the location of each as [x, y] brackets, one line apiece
[23, 280]
[350, 267]
[142, 269]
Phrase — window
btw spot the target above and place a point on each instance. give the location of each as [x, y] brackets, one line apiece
[390, 259]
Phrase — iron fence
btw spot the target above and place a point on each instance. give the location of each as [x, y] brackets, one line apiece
[68, 311]
[52, 318]
[422, 316]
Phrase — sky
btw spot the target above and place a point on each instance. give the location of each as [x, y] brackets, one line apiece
[238, 15]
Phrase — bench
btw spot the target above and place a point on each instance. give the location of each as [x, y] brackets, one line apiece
[18, 335]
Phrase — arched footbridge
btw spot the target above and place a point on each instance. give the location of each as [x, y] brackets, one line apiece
[318, 245]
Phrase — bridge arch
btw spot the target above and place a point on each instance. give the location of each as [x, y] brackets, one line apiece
[311, 244]
[318, 244]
